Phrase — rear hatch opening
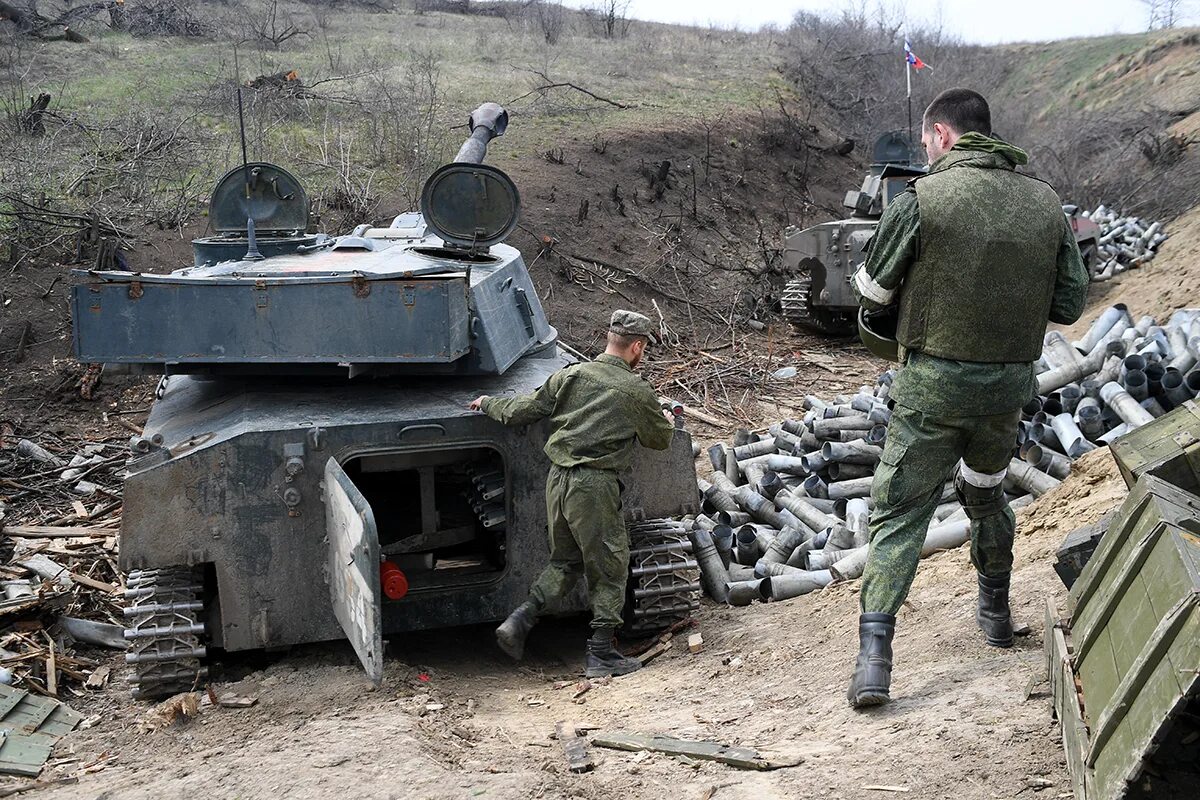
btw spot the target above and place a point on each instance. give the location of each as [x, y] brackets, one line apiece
[441, 514]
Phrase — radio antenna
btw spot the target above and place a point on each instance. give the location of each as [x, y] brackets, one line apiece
[252, 253]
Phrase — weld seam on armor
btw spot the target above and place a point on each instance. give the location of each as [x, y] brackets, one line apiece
[981, 480]
[871, 290]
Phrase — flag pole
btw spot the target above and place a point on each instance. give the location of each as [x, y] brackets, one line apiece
[908, 82]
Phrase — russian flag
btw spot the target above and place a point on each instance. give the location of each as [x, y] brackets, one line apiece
[911, 57]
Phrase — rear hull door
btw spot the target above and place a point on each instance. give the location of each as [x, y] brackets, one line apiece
[352, 568]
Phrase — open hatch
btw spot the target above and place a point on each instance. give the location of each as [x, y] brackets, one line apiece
[437, 518]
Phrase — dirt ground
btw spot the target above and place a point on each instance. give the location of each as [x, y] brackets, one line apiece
[455, 719]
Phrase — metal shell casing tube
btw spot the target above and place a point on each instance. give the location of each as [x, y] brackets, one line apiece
[858, 514]
[761, 447]
[840, 473]
[1102, 325]
[770, 484]
[805, 511]
[785, 587]
[814, 486]
[722, 537]
[857, 487]
[1072, 439]
[714, 577]
[855, 452]
[1090, 422]
[1174, 388]
[743, 593]
[1030, 479]
[748, 550]
[790, 465]
[785, 543]
[1124, 405]
[1070, 395]
[734, 519]
[1053, 464]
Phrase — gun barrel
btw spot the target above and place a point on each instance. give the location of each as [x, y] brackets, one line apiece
[486, 123]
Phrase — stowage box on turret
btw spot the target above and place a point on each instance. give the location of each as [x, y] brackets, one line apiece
[310, 470]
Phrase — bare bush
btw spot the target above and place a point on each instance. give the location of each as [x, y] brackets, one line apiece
[84, 179]
[551, 19]
[402, 122]
[161, 18]
[272, 24]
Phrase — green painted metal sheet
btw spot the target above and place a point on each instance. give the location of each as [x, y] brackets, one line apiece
[1134, 653]
[1168, 448]
[30, 725]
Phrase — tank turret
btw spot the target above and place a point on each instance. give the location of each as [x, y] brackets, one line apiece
[435, 293]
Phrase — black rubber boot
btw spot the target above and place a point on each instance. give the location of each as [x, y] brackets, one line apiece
[873, 670]
[604, 660]
[512, 632]
[993, 615]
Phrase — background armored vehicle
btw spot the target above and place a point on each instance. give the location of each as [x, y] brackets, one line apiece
[310, 470]
[823, 259]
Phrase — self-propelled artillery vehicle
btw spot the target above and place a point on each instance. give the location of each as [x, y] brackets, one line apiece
[310, 470]
[821, 261]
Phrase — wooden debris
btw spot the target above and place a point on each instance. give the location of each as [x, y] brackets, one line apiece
[657, 650]
[579, 760]
[98, 679]
[881, 788]
[231, 700]
[741, 757]
[695, 643]
[182, 706]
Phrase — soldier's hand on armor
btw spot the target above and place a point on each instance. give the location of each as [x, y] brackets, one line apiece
[477, 403]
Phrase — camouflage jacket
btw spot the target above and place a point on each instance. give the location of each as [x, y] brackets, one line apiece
[599, 411]
[958, 386]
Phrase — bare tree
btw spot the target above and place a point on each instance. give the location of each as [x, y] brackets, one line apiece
[610, 18]
[1163, 14]
[551, 18]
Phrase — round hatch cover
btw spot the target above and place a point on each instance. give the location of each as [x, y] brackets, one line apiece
[470, 205]
[273, 197]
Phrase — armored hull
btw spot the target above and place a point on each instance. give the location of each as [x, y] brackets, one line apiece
[245, 486]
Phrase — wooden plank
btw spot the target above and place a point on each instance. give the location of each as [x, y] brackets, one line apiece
[579, 760]
[10, 698]
[54, 532]
[742, 757]
[92, 583]
[20, 755]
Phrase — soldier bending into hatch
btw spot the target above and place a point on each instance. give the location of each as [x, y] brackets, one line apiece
[976, 257]
[599, 411]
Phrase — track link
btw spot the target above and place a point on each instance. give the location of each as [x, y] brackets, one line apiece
[664, 578]
[165, 629]
[797, 306]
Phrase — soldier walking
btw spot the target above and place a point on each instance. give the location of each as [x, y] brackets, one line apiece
[969, 264]
[599, 411]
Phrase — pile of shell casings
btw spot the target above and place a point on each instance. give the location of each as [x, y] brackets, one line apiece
[1125, 242]
[786, 512]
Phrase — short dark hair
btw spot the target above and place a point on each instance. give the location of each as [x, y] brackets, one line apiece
[626, 340]
[963, 110]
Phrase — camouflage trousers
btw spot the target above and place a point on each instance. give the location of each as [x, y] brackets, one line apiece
[921, 453]
[587, 538]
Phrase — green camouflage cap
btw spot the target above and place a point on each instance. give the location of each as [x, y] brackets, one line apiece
[629, 323]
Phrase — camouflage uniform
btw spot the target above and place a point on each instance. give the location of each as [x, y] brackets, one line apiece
[981, 258]
[598, 411]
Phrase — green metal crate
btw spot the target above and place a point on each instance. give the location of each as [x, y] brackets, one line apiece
[1126, 673]
[1169, 448]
